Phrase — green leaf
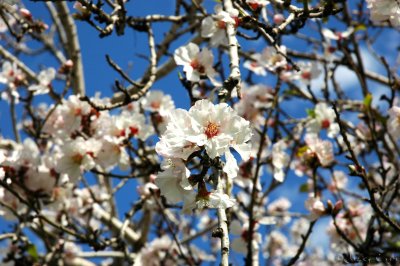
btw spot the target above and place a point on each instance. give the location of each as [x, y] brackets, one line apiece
[311, 113]
[395, 244]
[368, 100]
[303, 188]
[33, 252]
[180, 75]
[360, 27]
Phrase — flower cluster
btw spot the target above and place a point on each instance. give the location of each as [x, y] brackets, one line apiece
[385, 11]
[214, 129]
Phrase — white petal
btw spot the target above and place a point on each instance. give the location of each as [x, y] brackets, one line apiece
[230, 168]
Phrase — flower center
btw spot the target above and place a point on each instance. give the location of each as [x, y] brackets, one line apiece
[254, 64]
[331, 49]
[306, 75]
[212, 130]
[254, 6]
[197, 66]
[155, 104]
[325, 123]
[133, 130]
[221, 24]
[77, 158]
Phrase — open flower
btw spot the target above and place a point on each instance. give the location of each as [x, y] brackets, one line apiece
[78, 155]
[319, 149]
[45, 78]
[195, 63]
[215, 27]
[11, 75]
[269, 59]
[173, 181]
[308, 72]
[324, 118]
[337, 35]
[217, 128]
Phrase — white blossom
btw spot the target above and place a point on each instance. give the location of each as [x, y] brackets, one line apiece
[337, 35]
[78, 155]
[195, 63]
[393, 123]
[173, 181]
[385, 10]
[324, 118]
[217, 128]
[323, 150]
[280, 160]
[308, 71]
[214, 27]
[45, 78]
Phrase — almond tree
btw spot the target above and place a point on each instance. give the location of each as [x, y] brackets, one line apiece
[291, 134]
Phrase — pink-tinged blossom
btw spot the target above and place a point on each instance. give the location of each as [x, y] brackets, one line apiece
[77, 156]
[160, 106]
[280, 206]
[299, 230]
[112, 152]
[147, 190]
[215, 200]
[12, 202]
[125, 125]
[219, 128]
[353, 223]
[323, 118]
[337, 35]
[11, 75]
[157, 102]
[280, 160]
[256, 4]
[269, 59]
[239, 244]
[308, 71]
[196, 63]
[40, 180]
[322, 149]
[246, 175]
[276, 247]
[45, 78]
[316, 207]
[214, 27]
[70, 253]
[393, 123]
[339, 181]
[385, 10]
[174, 143]
[67, 117]
[254, 100]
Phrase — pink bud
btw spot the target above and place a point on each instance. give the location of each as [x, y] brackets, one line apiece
[338, 206]
[278, 19]
[153, 178]
[26, 13]
[69, 64]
